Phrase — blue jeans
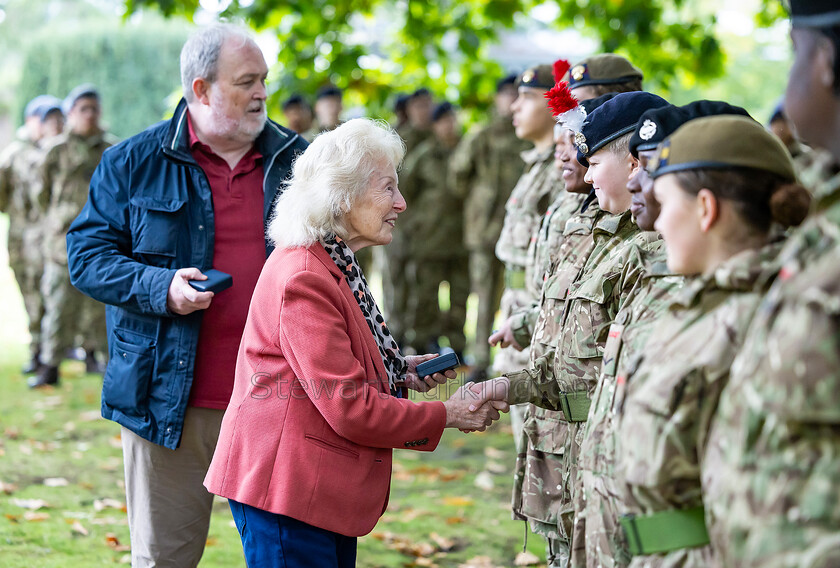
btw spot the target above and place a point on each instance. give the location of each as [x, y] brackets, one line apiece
[276, 541]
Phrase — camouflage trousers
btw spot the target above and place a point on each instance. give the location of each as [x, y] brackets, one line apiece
[487, 282]
[424, 316]
[539, 490]
[71, 319]
[27, 263]
[391, 261]
[509, 359]
[604, 544]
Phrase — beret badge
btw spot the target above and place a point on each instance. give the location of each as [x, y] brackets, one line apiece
[578, 72]
[580, 142]
[528, 76]
[648, 130]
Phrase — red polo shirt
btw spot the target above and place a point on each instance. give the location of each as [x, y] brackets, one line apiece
[239, 250]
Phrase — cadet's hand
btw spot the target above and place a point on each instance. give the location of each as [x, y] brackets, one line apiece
[504, 336]
[490, 393]
[459, 415]
[423, 384]
[183, 299]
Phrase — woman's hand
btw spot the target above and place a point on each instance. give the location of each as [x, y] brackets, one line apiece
[504, 336]
[459, 414]
[423, 384]
[493, 392]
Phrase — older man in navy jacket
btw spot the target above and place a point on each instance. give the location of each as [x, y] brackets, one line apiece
[184, 196]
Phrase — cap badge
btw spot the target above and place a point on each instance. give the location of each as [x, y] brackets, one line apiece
[528, 76]
[577, 72]
[580, 142]
[648, 129]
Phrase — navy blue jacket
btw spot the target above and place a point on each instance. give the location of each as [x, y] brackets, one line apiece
[149, 213]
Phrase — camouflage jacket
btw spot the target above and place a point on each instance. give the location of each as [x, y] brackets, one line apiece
[770, 474]
[68, 165]
[534, 192]
[577, 305]
[544, 247]
[412, 137]
[19, 184]
[673, 388]
[484, 169]
[627, 336]
[433, 220]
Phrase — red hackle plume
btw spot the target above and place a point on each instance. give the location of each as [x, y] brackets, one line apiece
[560, 98]
[561, 66]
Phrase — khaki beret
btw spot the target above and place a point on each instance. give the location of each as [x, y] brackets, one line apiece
[722, 142]
[539, 77]
[603, 69]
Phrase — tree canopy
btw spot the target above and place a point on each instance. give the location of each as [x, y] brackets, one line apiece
[373, 48]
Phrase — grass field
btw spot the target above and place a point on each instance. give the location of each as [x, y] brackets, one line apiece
[62, 499]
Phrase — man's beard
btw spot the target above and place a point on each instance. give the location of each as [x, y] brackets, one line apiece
[248, 127]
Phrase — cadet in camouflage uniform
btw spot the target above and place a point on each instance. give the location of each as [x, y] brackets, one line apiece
[538, 471]
[584, 290]
[70, 316]
[770, 472]
[528, 202]
[19, 183]
[484, 169]
[804, 157]
[436, 253]
[393, 260]
[718, 180]
[597, 504]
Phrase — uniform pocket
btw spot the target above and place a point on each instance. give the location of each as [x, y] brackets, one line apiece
[589, 312]
[156, 226]
[129, 374]
[321, 443]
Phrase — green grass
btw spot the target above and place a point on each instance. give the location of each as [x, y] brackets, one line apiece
[57, 434]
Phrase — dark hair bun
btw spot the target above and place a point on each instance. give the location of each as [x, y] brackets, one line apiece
[790, 204]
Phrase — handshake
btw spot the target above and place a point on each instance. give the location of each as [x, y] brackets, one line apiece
[475, 406]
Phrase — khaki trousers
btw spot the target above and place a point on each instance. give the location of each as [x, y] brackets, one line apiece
[168, 506]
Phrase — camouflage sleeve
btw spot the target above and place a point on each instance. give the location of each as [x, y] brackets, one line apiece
[536, 384]
[792, 446]
[462, 166]
[47, 171]
[523, 321]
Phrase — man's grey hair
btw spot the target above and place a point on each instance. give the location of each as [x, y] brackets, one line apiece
[200, 54]
[328, 179]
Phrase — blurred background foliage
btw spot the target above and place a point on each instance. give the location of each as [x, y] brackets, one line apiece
[374, 49]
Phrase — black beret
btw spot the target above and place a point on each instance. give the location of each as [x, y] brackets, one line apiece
[442, 110]
[722, 142]
[295, 100]
[603, 69]
[614, 118]
[814, 13]
[657, 124]
[39, 105]
[401, 101]
[421, 92]
[504, 82]
[539, 77]
[591, 104]
[82, 91]
[328, 91]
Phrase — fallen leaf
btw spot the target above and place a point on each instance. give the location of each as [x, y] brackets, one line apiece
[114, 543]
[484, 480]
[8, 488]
[56, 482]
[90, 416]
[455, 520]
[478, 562]
[32, 504]
[102, 504]
[12, 518]
[125, 559]
[458, 501]
[496, 468]
[78, 528]
[453, 476]
[526, 558]
[34, 516]
[11, 433]
[444, 544]
[494, 453]
[211, 541]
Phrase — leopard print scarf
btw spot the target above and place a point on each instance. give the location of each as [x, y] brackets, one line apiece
[345, 260]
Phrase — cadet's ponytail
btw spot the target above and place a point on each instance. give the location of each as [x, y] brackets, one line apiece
[760, 197]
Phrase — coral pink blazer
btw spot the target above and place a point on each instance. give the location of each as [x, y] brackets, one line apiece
[310, 425]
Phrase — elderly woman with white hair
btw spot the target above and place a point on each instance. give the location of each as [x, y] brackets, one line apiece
[304, 454]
